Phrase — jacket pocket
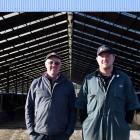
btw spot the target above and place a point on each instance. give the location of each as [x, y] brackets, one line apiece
[119, 100]
[91, 94]
[92, 102]
[91, 97]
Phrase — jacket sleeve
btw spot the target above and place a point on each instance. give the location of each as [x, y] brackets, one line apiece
[132, 102]
[81, 102]
[72, 113]
[83, 115]
[29, 109]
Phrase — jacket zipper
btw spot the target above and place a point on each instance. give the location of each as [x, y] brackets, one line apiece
[109, 84]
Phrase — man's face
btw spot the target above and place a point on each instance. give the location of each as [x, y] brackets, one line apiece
[53, 65]
[105, 60]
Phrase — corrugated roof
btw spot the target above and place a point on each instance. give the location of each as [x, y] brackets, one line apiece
[26, 38]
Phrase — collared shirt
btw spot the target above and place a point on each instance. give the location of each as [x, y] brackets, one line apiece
[50, 80]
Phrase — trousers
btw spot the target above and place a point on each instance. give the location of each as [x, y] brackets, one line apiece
[38, 136]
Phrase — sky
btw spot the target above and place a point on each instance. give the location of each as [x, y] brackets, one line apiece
[69, 5]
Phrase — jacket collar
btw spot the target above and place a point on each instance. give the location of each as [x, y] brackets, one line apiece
[58, 79]
[115, 72]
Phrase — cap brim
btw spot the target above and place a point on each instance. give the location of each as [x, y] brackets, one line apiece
[106, 51]
[53, 56]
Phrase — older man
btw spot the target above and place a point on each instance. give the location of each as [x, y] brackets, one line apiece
[49, 110]
[107, 94]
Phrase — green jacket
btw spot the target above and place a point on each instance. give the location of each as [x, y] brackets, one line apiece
[106, 108]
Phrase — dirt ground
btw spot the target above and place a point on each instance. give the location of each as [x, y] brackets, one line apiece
[16, 130]
[20, 134]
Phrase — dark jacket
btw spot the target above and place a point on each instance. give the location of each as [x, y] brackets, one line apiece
[49, 110]
[106, 108]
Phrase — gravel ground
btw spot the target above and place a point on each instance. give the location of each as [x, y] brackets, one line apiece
[20, 134]
[17, 131]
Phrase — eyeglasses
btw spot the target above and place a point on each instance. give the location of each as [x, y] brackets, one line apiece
[54, 62]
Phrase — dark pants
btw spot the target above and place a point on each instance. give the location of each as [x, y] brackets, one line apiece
[37, 136]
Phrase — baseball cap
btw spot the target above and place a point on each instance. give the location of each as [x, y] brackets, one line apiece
[105, 48]
[52, 54]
